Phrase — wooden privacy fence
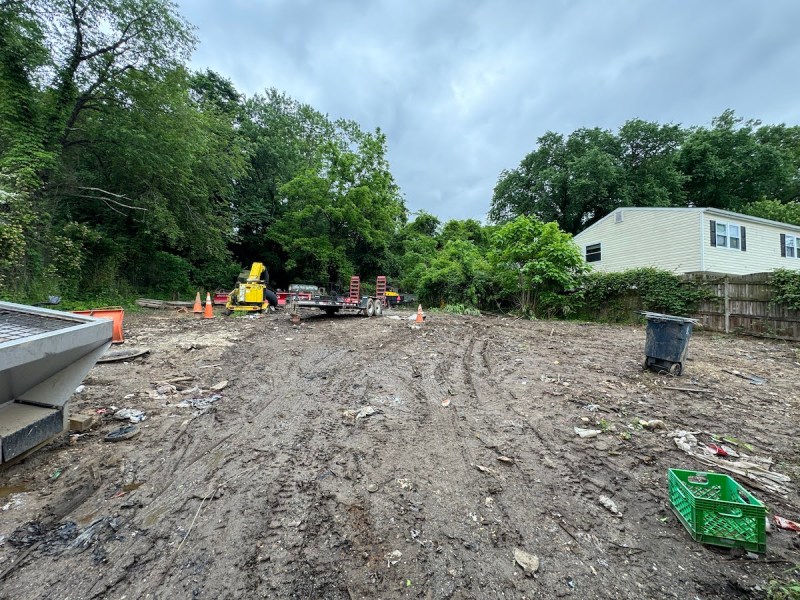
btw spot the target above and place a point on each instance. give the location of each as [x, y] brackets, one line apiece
[743, 304]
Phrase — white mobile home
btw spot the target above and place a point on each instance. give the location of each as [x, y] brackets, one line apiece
[682, 240]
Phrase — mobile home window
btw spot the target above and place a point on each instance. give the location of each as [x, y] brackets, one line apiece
[593, 253]
[728, 235]
[790, 246]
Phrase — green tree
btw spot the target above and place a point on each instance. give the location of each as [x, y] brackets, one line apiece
[650, 163]
[536, 263]
[415, 246]
[727, 166]
[341, 218]
[788, 212]
[573, 181]
[457, 274]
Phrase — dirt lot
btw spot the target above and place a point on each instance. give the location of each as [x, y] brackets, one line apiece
[278, 490]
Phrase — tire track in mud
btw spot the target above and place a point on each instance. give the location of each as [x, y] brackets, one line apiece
[289, 460]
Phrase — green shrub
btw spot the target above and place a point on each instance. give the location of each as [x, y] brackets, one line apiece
[785, 284]
[461, 309]
[784, 590]
[617, 297]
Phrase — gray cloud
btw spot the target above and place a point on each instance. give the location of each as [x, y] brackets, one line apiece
[463, 88]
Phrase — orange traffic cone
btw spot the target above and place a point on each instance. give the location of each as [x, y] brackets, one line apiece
[419, 314]
[209, 312]
[198, 306]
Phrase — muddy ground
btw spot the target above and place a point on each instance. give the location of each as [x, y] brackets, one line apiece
[277, 490]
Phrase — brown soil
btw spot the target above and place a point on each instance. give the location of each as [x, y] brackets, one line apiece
[277, 491]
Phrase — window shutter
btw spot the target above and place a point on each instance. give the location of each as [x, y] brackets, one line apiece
[783, 245]
[744, 237]
[713, 233]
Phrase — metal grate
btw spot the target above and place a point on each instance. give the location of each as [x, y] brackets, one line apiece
[15, 325]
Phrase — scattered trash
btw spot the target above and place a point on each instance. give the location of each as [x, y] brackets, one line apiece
[506, 459]
[56, 474]
[85, 539]
[446, 402]
[715, 509]
[718, 450]
[483, 469]
[79, 389]
[130, 414]
[591, 407]
[201, 405]
[610, 505]
[218, 387]
[404, 483]
[166, 389]
[361, 413]
[528, 562]
[753, 379]
[786, 524]
[393, 557]
[652, 424]
[685, 440]
[736, 442]
[79, 422]
[123, 433]
[101, 411]
[587, 433]
[372, 488]
[119, 355]
[289, 339]
[755, 469]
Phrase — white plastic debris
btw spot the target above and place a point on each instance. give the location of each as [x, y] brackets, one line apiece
[610, 506]
[130, 414]
[528, 562]
[201, 405]
[587, 433]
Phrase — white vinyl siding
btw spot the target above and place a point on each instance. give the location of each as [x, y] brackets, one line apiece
[689, 239]
[663, 238]
[762, 253]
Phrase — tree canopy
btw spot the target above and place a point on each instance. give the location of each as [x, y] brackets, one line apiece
[576, 180]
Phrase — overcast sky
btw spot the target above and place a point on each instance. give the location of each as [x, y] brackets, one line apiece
[464, 88]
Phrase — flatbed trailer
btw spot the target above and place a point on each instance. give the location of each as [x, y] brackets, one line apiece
[368, 306]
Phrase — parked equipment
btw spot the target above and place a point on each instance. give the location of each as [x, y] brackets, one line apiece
[251, 293]
[667, 342]
[44, 355]
[333, 303]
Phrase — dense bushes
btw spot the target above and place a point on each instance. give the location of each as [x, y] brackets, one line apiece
[786, 288]
[617, 296]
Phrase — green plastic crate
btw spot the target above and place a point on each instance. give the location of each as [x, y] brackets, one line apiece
[717, 510]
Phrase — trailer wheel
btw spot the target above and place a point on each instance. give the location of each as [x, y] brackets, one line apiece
[370, 310]
[378, 308]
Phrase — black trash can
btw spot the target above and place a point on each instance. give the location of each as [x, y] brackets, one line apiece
[667, 342]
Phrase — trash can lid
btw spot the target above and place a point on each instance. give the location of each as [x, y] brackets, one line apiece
[662, 317]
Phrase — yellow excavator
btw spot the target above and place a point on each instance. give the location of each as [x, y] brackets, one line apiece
[251, 293]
